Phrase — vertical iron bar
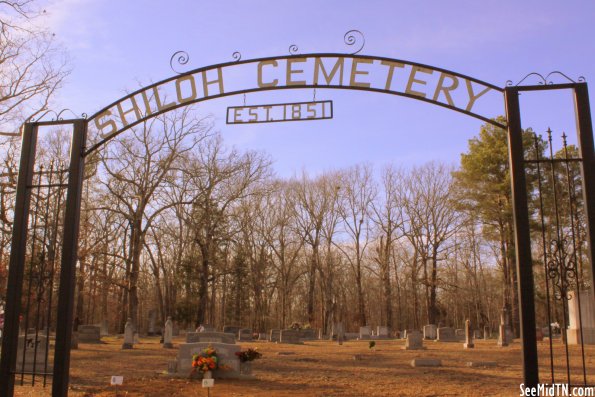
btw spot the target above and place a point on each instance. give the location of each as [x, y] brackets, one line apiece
[545, 257]
[52, 261]
[42, 261]
[69, 257]
[522, 237]
[560, 257]
[31, 273]
[573, 212]
[17, 261]
[587, 153]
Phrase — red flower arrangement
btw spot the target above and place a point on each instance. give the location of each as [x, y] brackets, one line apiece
[248, 355]
[206, 360]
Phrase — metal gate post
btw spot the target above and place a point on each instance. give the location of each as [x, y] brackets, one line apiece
[522, 237]
[16, 268]
[584, 128]
[69, 258]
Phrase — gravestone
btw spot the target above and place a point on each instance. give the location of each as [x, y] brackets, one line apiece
[460, 334]
[486, 332]
[307, 334]
[245, 334]
[152, 320]
[225, 352]
[538, 334]
[340, 332]
[446, 334]
[205, 337]
[103, 328]
[89, 334]
[34, 350]
[262, 336]
[128, 335]
[468, 336]
[414, 341]
[208, 328]
[290, 336]
[74, 340]
[426, 362]
[430, 331]
[229, 329]
[364, 333]
[274, 335]
[351, 336]
[502, 335]
[382, 332]
[168, 334]
[586, 319]
[477, 334]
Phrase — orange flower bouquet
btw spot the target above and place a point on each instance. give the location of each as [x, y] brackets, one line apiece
[206, 360]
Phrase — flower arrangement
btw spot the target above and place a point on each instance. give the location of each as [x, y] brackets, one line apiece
[206, 360]
[248, 355]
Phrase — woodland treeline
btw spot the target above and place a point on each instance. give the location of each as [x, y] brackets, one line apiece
[176, 221]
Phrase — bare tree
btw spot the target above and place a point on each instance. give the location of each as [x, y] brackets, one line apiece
[137, 168]
[431, 222]
[388, 217]
[32, 66]
[218, 179]
[357, 193]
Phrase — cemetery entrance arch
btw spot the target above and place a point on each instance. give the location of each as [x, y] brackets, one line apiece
[438, 86]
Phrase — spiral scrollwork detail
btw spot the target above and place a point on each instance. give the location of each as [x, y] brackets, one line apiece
[561, 269]
[547, 80]
[180, 58]
[293, 49]
[237, 56]
[352, 37]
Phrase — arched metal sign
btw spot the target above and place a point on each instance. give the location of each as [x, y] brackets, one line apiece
[426, 83]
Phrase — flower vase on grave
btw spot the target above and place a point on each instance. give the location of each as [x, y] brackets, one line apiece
[207, 375]
[246, 368]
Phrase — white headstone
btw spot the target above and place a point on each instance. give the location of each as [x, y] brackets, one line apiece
[382, 331]
[586, 318]
[364, 332]
[430, 331]
[128, 335]
[168, 334]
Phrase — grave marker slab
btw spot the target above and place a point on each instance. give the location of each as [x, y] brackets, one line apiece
[426, 362]
[430, 331]
[89, 334]
[218, 337]
[414, 341]
[446, 334]
[225, 352]
[382, 332]
[289, 336]
[244, 335]
[364, 333]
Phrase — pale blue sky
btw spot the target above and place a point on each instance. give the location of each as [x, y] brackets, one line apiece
[118, 45]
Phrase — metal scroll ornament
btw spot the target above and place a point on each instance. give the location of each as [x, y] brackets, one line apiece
[547, 80]
[180, 58]
[293, 49]
[561, 270]
[237, 56]
[352, 38]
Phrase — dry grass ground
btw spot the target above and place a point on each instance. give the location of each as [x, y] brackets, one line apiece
[316, 369]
